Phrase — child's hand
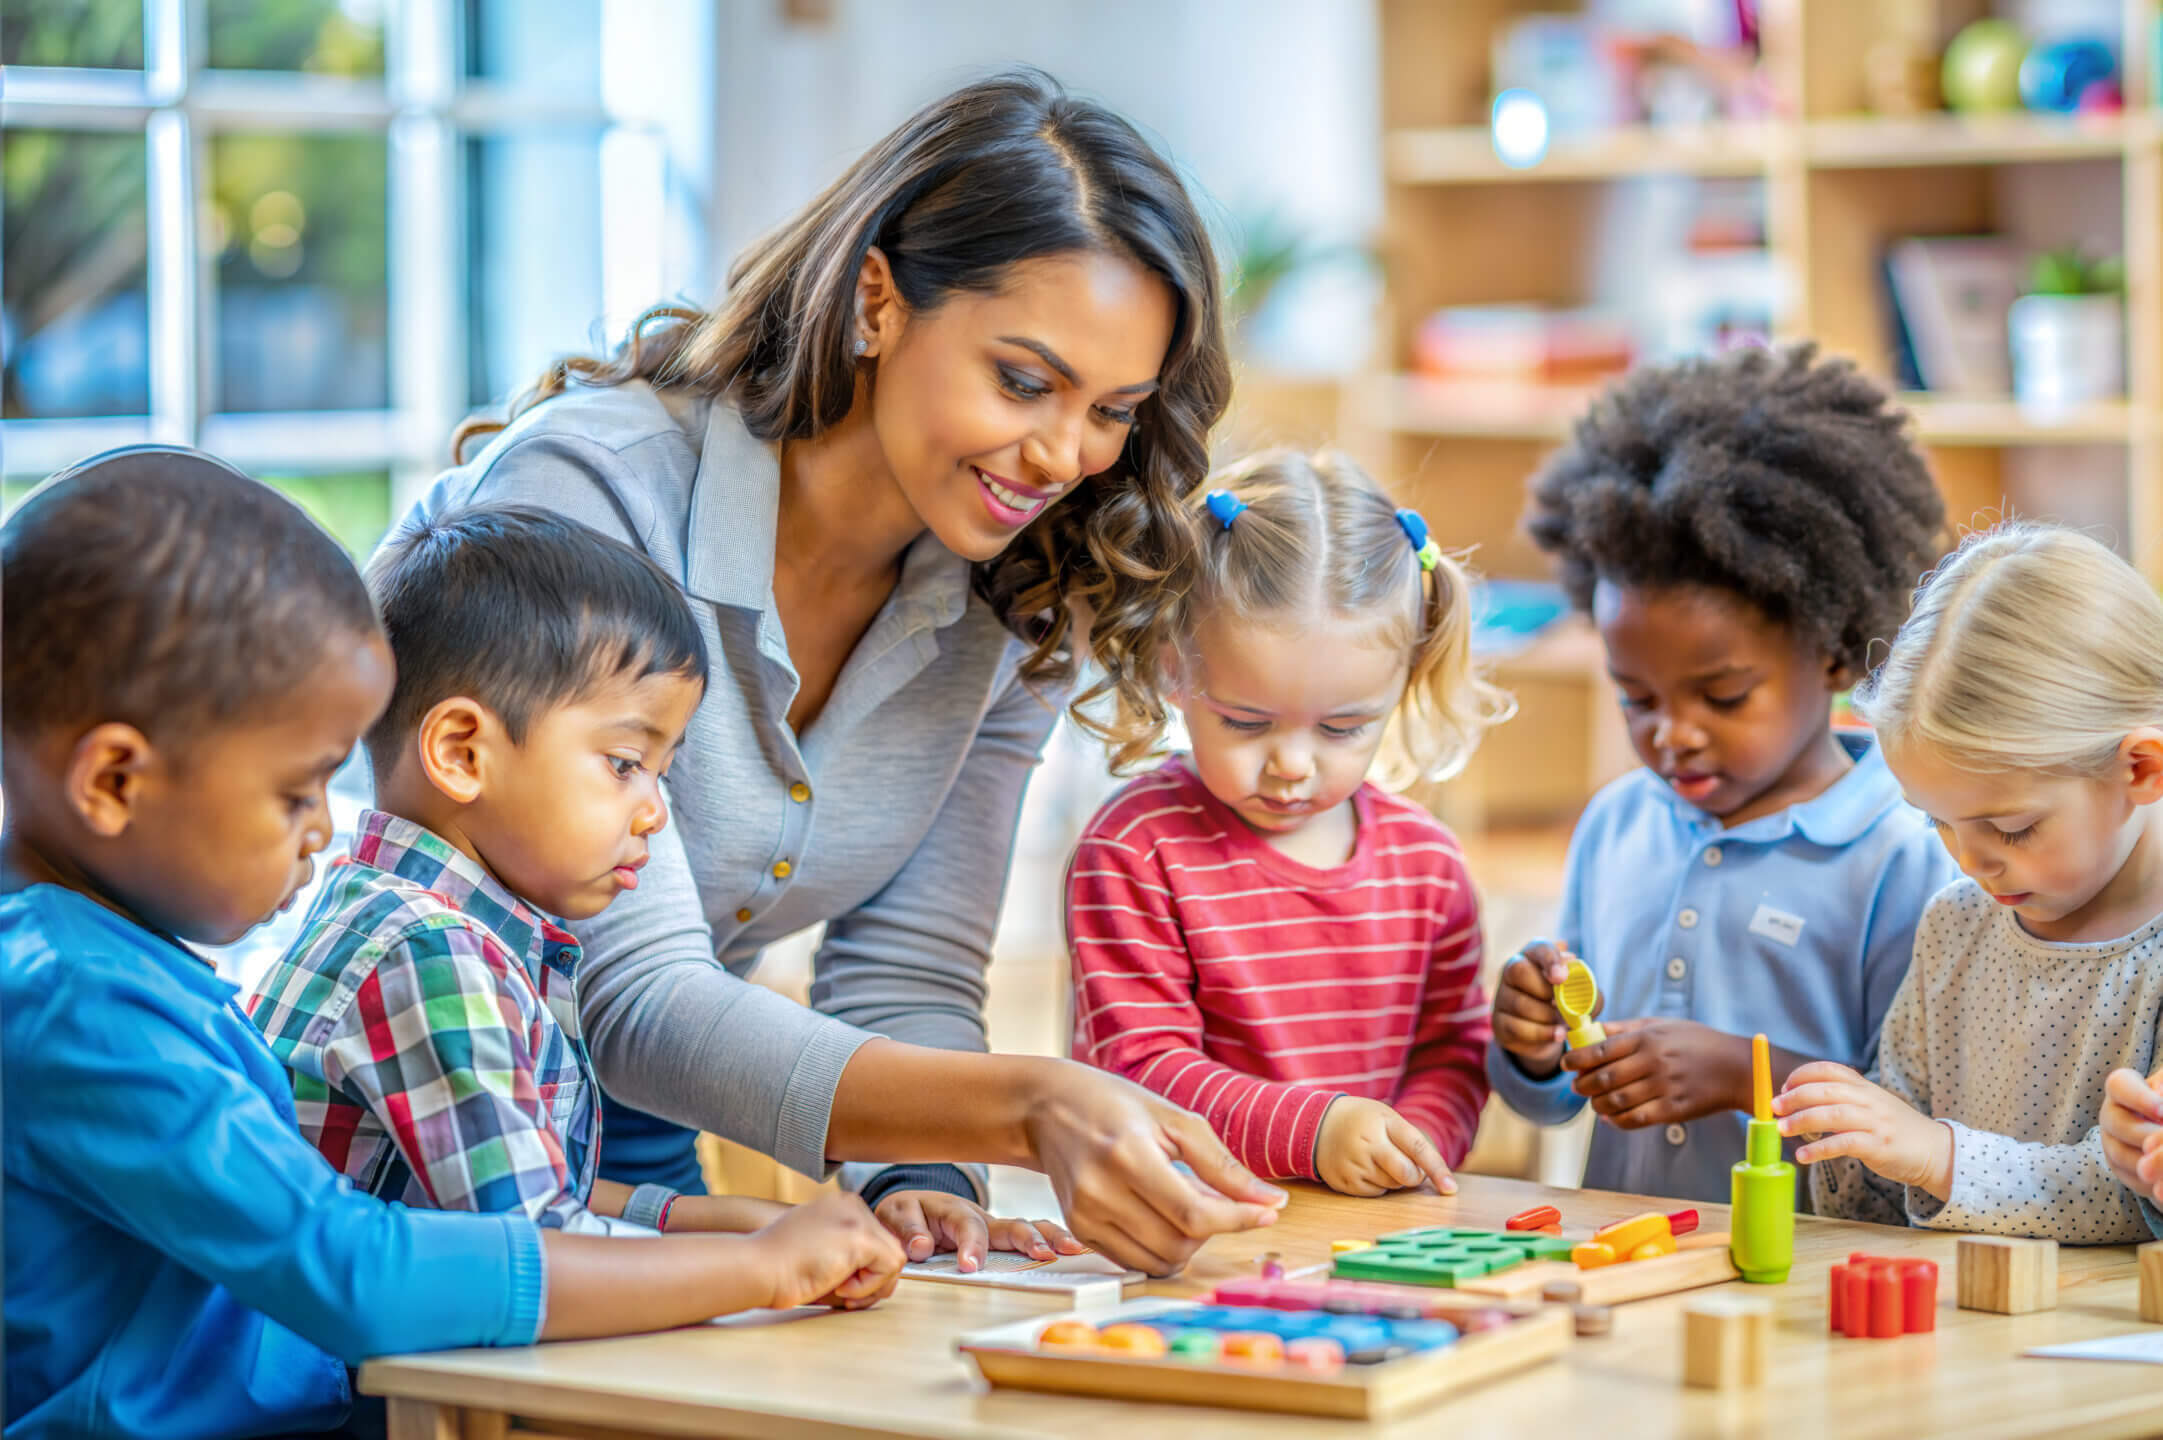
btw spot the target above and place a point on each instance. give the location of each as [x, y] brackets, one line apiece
[1527, 1024]
[2132, 1122]
[1851, 1116]
[1366, 1148]
[928, 1221]
[1660, 1072]
[830, 1251]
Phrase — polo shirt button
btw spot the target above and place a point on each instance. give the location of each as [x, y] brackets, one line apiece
[799, 792]
[1676, 1134]
[743, 916]
[782, 869]
[1675, 968]
[1687, 919]
[1712, 855]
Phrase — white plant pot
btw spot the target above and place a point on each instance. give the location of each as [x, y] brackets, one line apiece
[2067, 350]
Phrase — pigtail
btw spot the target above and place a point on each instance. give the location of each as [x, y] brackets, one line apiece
[1448, 703]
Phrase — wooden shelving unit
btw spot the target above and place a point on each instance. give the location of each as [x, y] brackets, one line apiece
[1462, 228]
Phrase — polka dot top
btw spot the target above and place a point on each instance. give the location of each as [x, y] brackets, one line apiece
[2009, 1038]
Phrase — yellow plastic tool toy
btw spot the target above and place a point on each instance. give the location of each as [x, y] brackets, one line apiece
[1576, 998]
[1641, 1237]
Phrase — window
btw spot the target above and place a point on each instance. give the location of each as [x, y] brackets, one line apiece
[311, 235]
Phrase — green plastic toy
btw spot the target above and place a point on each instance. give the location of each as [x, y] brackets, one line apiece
[1763, 1188]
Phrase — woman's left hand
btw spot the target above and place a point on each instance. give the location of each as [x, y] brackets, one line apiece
[1848, 1115]
[928, 1221]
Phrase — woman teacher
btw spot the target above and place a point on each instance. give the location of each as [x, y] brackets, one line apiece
[941, 415]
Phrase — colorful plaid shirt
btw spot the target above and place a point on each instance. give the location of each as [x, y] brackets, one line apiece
[429, 1019]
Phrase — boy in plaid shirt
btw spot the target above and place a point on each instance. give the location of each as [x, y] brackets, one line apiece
[428, 1010]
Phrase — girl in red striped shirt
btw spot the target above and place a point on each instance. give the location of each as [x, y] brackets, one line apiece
[1260, 929]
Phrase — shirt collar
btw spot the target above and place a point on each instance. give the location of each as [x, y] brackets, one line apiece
[1836, 816]
[419, 855]
[735, 504]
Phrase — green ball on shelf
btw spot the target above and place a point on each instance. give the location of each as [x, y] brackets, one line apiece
[1982, 67]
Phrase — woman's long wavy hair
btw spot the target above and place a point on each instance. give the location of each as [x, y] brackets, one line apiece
[1010, 169]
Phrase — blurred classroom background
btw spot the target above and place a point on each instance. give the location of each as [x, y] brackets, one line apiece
[311, 235]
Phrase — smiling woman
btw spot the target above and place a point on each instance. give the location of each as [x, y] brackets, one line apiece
[951, 408]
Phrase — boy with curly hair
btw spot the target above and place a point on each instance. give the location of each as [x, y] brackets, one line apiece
[1740, 531]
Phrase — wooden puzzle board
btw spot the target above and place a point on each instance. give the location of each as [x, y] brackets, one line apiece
[1007, 1355]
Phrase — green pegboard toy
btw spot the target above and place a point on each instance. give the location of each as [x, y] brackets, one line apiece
[1445, 1256]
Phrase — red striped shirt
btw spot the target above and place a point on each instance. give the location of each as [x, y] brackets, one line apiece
[1237, 982]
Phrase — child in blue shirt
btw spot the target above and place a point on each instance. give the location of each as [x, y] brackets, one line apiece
[1740, 530]
[185, 660]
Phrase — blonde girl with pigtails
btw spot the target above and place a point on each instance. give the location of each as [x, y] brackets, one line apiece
[1261, 929]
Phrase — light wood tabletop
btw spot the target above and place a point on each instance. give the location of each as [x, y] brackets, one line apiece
[892, 1370]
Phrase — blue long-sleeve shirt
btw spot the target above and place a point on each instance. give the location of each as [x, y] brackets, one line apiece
[1800, 924]
[180, 1262]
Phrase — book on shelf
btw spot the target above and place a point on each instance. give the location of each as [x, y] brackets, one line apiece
[1948, 296]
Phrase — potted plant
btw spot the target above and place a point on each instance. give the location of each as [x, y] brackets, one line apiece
[2067, 332]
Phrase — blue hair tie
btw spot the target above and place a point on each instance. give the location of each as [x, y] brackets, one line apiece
[1415, 530]
[1226, 506]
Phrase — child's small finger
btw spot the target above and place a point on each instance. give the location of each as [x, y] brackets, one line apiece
[904, 1216]
[2121, 1157]
[1020, 1236]
[1060, 1238]
[970, 1237]
[1790, 1102]
[1831, 1119]
[2129, 1089]
[1819, 1072]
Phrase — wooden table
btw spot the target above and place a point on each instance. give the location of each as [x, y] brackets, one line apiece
[891, 1371]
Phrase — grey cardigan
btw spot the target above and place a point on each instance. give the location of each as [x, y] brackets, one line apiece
[891, 819]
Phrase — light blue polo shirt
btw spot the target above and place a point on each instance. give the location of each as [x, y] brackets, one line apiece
[1800, 924]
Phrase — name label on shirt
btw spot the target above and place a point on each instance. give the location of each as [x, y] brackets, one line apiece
[1776, 925]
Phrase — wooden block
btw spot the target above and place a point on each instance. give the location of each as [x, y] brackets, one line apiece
[2006, 1276]
[1726, 1342]
[2151, 1282]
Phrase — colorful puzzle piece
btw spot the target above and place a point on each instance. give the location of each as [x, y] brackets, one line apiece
[1446, 1256]
[1255, 1337]
[1339, 1297]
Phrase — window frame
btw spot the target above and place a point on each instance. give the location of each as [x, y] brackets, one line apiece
[426, 108]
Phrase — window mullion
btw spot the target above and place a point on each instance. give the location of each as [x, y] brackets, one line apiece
[170, 52]
[175, 274]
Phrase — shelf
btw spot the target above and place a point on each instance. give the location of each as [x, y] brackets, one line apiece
[1509, 410]
[1876, 142]
[1952, 421]
[1465, 155]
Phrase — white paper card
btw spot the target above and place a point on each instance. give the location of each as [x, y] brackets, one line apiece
[2144, 1347]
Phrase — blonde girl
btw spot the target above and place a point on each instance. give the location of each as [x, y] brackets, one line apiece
[1260, 929]
[2021, 708]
